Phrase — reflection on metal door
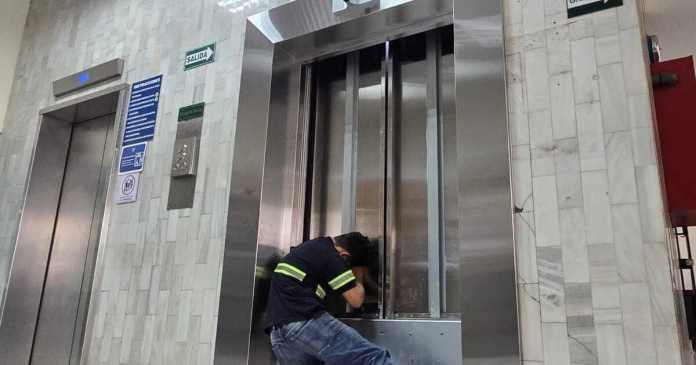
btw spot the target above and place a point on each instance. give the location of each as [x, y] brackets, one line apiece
[385, 164]
[65, 299]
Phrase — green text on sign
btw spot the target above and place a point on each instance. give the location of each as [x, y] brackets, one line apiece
[199, 57]
[191, 112]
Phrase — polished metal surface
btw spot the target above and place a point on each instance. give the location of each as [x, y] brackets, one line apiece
[421, 342]
[433, 175]
[275, 146]
[89, 77]
[34, 285]
[76, 235]
[33, 243]
[241, 240]
[182, 186]
[488, 292]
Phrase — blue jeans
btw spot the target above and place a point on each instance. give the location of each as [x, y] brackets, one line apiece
[325, 340]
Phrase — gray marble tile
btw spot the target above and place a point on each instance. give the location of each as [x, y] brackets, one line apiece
[551, 286]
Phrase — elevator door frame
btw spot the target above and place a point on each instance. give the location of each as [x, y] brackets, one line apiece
[44, 187]
[270, 123]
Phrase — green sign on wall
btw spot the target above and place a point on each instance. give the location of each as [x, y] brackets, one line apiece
[191, 112]
[199, 57]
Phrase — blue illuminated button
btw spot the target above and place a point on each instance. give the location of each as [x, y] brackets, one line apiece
[83, 78]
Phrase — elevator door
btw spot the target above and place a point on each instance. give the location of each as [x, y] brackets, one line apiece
[384, 163]
[65, 298]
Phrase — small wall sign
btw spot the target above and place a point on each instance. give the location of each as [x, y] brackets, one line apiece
[128, 188]
[582, 7]
[199, 57]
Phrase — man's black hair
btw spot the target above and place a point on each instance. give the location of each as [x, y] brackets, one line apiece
[357, 245]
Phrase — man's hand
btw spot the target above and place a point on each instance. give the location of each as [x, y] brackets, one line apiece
[360, 273]
[356, 296]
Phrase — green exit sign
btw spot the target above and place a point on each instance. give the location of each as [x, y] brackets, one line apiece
[199, 57]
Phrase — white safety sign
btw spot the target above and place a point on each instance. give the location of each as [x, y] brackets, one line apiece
[128, 188]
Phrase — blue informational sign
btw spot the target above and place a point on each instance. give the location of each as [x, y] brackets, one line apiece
[142, 111]
[132, 158]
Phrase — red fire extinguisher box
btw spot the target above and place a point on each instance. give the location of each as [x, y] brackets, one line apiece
[675, 105]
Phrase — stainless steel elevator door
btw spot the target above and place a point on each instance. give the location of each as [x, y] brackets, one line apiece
[385, 164]
[60, 328]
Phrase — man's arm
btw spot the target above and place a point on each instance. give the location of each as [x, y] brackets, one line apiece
[356, 296]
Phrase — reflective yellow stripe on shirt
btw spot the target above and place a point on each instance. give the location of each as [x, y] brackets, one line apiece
[320, 292]
[291, 271]
[341, 280]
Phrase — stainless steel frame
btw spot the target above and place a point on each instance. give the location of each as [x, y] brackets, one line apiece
[267, 197]
[38, 222]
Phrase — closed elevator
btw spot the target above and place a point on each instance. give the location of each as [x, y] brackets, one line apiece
[45, 317]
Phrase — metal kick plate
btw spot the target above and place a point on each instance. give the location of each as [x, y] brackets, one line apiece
[185, 157]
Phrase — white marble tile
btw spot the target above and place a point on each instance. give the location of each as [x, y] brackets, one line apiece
[608, 50]
[568, 177]
[634, 63]
[640, 111]
[661, 293]
[537, 79]
[629, 243]
[644, 149]
[558, 43]
[591, 137]
[576, 267]
[526, 248]
[521, 165]
[551, 286]
[555, 7]
[562, 106]
[546, 211]
[651, 204]
[530, 322]
[519, 119]
[610, 344]
[622, 174]
[597, 209]
[603, 266]
[605, 23]
[614, 101]
[638, 326]
[556, 350]
[533, 16]
[668, 350]
[542, 143]
[585, 70]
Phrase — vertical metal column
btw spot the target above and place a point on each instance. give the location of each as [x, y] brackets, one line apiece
[350, 144]
[433, 182]
[390, 214]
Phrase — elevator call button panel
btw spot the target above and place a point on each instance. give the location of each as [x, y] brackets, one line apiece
[185, 157]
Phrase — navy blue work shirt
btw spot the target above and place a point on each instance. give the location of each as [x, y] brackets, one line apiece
[302, 280]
